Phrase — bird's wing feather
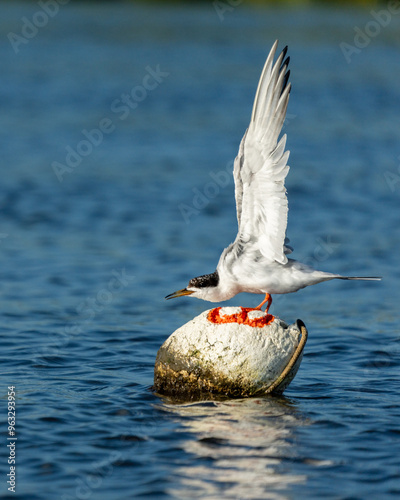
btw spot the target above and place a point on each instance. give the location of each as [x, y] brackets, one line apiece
[261, 166]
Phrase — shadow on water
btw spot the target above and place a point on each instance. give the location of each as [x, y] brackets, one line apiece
[236, 447]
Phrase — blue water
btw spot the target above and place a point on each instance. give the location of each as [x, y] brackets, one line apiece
[87, 256]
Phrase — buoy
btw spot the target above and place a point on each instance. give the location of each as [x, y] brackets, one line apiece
[232, 351]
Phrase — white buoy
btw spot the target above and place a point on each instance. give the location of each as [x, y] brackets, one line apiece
[233, 351]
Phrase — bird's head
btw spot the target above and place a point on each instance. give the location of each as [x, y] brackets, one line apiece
[203, 287]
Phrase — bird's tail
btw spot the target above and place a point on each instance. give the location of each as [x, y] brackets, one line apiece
[370, 278]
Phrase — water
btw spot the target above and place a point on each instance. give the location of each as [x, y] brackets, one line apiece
[88, 257]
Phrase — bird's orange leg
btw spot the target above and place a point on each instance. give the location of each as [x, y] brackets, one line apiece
[268, 300]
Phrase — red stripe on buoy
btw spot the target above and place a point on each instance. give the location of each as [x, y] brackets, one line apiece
[241, 318]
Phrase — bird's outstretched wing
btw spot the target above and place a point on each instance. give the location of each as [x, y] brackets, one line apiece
[261, 165]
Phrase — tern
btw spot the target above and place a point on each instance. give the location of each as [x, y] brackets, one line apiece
[257, 262]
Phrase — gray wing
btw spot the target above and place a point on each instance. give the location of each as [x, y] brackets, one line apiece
[261, 166]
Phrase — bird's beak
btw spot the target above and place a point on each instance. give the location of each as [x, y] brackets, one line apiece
[179, 293]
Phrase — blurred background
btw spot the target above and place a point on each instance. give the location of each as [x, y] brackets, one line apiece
[119, 124]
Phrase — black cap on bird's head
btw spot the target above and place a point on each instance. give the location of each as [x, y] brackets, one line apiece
[197, 285]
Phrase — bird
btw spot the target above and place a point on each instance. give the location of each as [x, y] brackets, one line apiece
[256, 262]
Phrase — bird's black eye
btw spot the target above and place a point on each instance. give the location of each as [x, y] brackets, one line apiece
[205, 280]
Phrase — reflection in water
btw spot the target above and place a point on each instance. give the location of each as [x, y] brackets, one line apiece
[239, 448]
